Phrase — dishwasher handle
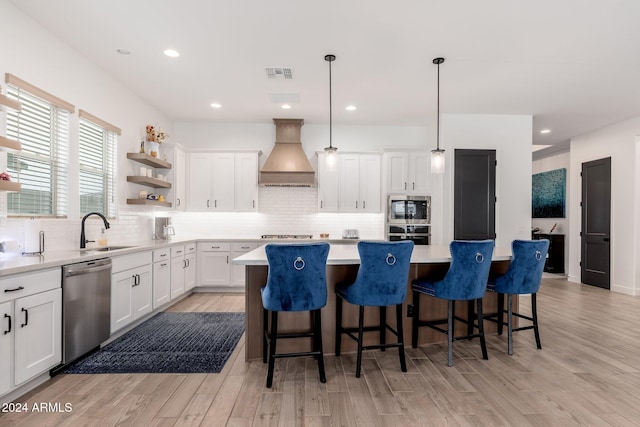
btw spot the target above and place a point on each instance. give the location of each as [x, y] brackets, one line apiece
[86, 268]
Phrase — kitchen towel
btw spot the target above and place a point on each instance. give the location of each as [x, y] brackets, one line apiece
[32, 229]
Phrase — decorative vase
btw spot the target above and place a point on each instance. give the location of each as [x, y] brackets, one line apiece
[154, 149]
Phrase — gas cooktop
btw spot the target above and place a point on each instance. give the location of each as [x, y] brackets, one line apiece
[286, 236]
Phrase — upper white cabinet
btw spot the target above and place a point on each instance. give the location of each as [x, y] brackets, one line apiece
[246, 182]
[407, 172]
[327, 185]
[359, 188]
[180, 180]
[223, 182]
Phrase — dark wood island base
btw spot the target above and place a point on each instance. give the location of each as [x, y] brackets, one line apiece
[430, 309]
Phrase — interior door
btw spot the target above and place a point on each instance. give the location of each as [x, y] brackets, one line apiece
[474, 211]
[596, 223]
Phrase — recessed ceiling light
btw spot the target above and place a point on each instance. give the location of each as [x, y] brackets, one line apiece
[545, 131]
[171, 53]
[216, 105]
[350, 108]
[123, 51]
[285, 106]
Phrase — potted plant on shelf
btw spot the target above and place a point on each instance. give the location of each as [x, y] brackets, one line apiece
[155, 138]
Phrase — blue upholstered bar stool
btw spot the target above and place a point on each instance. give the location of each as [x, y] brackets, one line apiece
[522, 277]
[297, 281]
[465, 281]
[382, 281]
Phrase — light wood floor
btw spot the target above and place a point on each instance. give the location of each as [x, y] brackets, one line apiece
[588, 373]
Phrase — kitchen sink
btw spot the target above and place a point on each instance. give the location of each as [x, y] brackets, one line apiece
[109, 248]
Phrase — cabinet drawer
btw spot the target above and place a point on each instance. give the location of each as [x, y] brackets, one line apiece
[243, 246]
[31, 283]
[190, 248]
[177, 251]
[214, 246]
[161, 254]
[127, 262]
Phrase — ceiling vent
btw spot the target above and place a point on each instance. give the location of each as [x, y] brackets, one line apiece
[279, 73]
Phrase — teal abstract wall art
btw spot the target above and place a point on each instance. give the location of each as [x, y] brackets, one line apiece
[548, 194]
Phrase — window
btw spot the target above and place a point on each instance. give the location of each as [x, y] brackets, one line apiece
[42, 127]
[97, 155]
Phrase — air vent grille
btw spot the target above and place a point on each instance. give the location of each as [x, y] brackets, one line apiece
[279, 73]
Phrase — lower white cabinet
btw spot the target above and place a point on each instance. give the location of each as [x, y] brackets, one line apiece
[177, 271]
[131, 289]
[190, 266]
[214, 268]
[31, 319]
[38, 323]
[161, 277]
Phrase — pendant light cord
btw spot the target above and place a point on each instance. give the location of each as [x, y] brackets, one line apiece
[438, 112]
[330, 107]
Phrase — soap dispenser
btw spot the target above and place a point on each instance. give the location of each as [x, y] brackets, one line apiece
[103, 241]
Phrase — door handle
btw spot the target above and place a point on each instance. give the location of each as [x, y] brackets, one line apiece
[26, 317]
[19, 288]
[8, 317]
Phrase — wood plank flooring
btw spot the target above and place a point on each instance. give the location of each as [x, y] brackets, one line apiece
[587, 373]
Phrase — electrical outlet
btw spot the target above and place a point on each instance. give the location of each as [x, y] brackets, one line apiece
[410, 310]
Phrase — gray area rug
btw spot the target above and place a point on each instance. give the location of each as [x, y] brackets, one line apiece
[168, 343]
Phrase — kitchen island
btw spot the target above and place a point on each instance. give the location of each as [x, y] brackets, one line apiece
[342, 266]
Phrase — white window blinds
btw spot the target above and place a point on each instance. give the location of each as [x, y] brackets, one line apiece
[42, 127]
[97, 155]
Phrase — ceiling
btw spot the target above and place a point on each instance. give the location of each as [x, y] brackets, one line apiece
[573, 65]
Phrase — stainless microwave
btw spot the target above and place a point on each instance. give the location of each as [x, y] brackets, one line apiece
[402, 209]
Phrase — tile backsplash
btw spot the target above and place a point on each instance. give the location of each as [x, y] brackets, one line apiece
[282, 210]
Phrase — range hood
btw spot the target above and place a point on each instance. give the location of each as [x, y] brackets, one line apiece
[287, 165]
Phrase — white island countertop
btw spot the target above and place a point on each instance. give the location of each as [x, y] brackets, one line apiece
[348, 255]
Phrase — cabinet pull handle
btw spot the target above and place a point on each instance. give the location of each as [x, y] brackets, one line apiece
[405, 185]
[356, 204]
[207, 202]
[215, 247]
[163, 255]
[227, 259]
[8, 317]
[244, 247]
[26, 317]
[184, 263]
[320, 204]
[164, 264]
[178, 200]
[364, 204]
[413, 185]
[253, 202]
[215, 203]
[19, 288]
[188, 262]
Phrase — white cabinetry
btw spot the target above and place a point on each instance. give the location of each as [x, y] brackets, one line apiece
[359, 183]
[131, 289]
[214, 268]
[238, 271]
[161, 277]
[31, 318]
[223, 182]
[180, 180]
[407, 172]
[190, 266]
[327, 185]
[177, 271]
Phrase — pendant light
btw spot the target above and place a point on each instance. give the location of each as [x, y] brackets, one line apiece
[437, 155]
[330, 151]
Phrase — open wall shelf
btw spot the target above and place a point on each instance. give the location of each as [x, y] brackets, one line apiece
[9, 186]
[149, 182]
[146, 202]
[148, 160]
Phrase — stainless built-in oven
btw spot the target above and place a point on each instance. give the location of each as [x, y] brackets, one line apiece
[408, 218]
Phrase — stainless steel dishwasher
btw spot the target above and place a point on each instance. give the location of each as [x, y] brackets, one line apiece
[86, 307]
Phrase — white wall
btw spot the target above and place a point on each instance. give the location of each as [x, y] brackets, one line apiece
[511, 137]
[37, 56]
[619, 142]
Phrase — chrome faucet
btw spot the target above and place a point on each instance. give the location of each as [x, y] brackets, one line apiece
[83, 242]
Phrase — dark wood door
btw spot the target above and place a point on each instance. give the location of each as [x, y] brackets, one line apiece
[596, 223]
[474, 210]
